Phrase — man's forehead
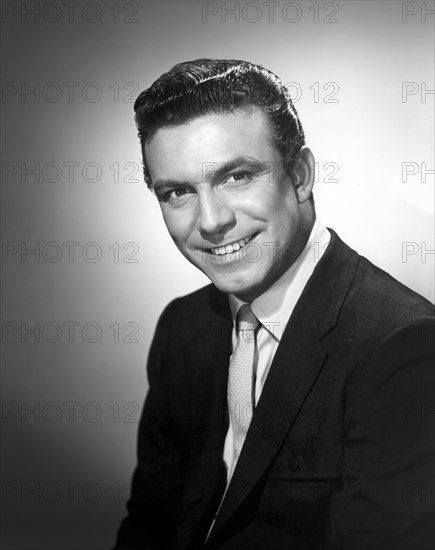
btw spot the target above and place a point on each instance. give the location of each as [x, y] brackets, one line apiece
[216, 138]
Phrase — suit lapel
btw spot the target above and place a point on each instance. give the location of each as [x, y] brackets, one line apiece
[297, 364]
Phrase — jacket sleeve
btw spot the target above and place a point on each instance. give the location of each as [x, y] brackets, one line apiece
[157, 486]
[388, 495]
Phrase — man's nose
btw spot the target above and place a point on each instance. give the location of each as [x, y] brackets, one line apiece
[216, 216]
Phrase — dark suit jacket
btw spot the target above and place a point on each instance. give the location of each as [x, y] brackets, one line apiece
[339, 453]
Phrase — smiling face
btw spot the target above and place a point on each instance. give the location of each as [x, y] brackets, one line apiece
[226, 201]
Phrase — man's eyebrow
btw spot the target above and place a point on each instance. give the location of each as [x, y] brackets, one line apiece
[165, 183]
[216, 170]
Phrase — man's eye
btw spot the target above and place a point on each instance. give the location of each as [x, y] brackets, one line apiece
[239, 176]
[179, 192]
[174, 194]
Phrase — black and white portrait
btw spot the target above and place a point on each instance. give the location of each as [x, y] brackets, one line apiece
[217, 267]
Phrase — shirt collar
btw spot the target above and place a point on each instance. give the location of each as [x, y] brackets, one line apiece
[274, 307]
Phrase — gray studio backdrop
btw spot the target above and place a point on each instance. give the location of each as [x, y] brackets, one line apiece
[87, 263]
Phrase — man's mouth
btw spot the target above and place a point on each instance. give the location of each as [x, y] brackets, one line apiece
[231, 247]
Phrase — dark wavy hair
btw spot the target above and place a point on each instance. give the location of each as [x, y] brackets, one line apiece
[219, 86]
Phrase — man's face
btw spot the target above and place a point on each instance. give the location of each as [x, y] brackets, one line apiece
[226, 201]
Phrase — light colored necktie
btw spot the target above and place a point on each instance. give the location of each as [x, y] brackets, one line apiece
[241, 380]
[240, 386]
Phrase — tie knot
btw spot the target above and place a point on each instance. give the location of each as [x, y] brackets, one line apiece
[246, 320]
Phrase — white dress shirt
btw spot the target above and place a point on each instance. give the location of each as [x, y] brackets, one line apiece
[273, 309]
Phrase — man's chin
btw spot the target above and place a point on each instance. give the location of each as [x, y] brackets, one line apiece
[246, 290]
[244, 281]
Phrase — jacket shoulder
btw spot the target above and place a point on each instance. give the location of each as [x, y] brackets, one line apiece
[190, 313]
[375, 291]
[365, 302]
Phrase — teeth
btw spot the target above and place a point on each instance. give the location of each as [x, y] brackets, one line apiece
[232, 247]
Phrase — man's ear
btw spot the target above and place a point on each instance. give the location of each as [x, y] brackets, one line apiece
[303, 173]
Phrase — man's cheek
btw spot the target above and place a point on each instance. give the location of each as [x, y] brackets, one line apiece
[176, 228]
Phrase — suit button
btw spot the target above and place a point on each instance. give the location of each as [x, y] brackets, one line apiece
[293, 463]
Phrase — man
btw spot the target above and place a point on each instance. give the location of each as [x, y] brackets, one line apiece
[289, 402]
